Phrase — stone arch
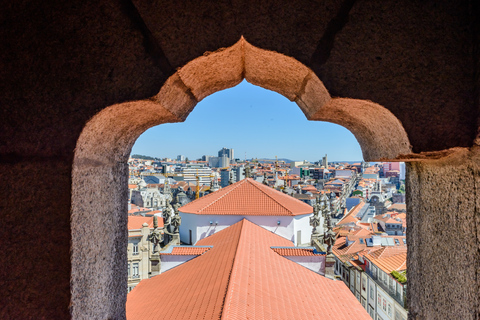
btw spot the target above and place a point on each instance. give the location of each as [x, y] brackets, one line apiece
[100, 170]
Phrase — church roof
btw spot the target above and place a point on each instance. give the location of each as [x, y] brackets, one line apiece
[247, 197]
[241, 277]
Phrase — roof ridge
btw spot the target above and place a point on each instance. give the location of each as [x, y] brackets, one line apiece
[234, 186]
[275, 200]
[235, 262]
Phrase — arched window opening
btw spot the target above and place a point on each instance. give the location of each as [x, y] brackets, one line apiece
[99, 182]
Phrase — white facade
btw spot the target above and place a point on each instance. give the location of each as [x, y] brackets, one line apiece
[171, 261]
[195, 227]
[314, 263]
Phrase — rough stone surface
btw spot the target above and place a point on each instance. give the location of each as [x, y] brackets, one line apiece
[176, 97]
[312, 96]
[214, 71]
[415, 58]
[378, 132]
[443, 237]
[35, 236]
[274, 71]
[99, 241]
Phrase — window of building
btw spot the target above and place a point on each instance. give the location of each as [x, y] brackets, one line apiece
[372, 292]
[389, 310]
[135, 248]
[135, 271]
[384, 305]
[129, 271]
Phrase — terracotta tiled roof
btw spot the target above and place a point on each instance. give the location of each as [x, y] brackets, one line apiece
[350, 216]
[132, 186]
[398, 206]
[396, 262]
[186, 251]
[247, 197]
[296, 252]
[136, 222]
[385, 252]
[242, 278]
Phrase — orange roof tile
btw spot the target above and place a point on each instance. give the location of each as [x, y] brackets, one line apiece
[242, 278]
[396, 262]
[350, 216]
[296, 252]
[186, 251]
[136, 222]
[247, 197]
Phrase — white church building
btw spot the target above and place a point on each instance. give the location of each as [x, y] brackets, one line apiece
[256, 202]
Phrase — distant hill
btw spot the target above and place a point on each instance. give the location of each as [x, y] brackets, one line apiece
[272, 160]
[139, 156]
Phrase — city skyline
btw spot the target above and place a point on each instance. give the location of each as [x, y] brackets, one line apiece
[256, 123]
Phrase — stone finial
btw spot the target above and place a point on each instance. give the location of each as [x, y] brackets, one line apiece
[176, 219]
[156, 236]
[329, 236]
[248, 171]
[265, 180]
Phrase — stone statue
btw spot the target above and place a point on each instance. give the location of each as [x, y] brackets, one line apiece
[329, 236]
[248, 173]
[265, 180]
[167, 213]
[156, 236]
[176, 219]
[315, 219]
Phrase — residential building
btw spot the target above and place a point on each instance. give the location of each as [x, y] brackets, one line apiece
[226, 152]
[219, 162]
[193, 170]
[139, 249]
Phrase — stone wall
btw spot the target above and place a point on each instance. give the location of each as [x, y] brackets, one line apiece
[443, 237]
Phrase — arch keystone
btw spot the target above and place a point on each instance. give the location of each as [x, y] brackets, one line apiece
[214, 71]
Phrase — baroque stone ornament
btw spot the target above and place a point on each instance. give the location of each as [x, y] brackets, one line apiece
[248, 171]
[176, 219]
[329, 236]
[315, 219]
[156, 236]
[265, 180]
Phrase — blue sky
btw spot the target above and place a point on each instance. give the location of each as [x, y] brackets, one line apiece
[251, 120]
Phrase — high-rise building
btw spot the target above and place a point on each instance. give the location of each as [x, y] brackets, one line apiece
[225, 177]
[219, 162]
[180, 157]
[239, 173]
[324, 161]
[227, 152]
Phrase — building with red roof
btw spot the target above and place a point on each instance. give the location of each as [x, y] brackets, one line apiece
[264, 206]
[242, 277]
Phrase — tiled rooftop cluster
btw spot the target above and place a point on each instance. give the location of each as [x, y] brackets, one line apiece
[241, 277]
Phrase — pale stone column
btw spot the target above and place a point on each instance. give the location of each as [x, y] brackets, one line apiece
[443, 233]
